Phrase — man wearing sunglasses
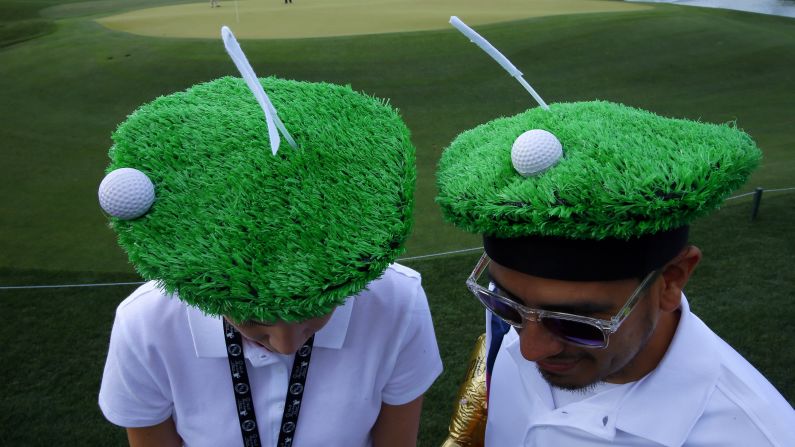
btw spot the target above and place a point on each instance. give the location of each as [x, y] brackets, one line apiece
[590, 338]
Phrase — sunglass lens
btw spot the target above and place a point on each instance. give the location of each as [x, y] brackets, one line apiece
[575, 331]
[502, 310]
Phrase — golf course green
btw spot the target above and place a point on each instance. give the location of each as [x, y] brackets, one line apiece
[257, 19]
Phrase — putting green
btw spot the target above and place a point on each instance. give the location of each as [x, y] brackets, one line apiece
[272, 19]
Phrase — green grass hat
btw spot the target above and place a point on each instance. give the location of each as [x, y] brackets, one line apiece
[240, 232]
[616, 204]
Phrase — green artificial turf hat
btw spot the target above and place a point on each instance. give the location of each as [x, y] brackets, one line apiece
[615, 204]
[624, 173]
[240, 232]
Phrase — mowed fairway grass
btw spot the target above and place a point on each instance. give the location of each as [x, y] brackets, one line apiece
[68, 81]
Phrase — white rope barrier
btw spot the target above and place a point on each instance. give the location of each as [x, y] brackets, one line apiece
[741, 195]
[411, 258]
[780, 189]
[62, 286]
[763, 190]
[436, 255]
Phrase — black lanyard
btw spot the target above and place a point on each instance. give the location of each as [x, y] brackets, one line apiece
[245, 403]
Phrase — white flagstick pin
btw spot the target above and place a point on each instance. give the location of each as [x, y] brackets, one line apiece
[271, 116]
[495, 54]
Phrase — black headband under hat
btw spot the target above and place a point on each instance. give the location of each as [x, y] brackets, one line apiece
[586, 259]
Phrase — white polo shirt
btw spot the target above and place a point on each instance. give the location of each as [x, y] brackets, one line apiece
[703, 393]
[167, 359]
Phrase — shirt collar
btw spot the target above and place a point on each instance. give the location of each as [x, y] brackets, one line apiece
[679, 388]
[208, 340]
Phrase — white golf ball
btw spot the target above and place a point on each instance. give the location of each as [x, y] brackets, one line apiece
[535, 151]
[126, 193]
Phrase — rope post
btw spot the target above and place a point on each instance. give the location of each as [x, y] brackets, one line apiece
[757, 201]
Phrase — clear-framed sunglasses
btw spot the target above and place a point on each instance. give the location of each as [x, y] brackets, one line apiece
[578, 330]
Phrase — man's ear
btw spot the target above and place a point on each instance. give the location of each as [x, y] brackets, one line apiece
[676, 274]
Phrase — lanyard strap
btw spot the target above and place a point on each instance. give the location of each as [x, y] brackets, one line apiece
[295, 392]
[245, 403]
[242, 389]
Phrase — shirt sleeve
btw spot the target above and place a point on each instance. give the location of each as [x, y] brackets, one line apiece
[418, 362]
[134, 390]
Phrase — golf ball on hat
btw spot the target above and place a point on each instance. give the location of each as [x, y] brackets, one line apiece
[535, 151]
[126, 193]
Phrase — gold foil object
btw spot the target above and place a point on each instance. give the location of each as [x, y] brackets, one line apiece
[468, 424]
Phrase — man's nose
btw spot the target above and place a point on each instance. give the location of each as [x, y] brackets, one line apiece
[537, 343]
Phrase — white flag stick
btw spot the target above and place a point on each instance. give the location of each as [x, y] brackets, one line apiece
[271, 116]
[495, 54]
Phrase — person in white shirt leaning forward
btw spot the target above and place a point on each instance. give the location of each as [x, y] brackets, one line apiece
[274, 314]
[590, 340]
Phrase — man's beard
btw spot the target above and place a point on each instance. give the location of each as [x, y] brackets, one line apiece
[555, 381]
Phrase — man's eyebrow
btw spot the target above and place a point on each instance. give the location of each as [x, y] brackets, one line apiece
[584, 307]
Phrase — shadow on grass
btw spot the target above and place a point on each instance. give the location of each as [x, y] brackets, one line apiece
[16, 32]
